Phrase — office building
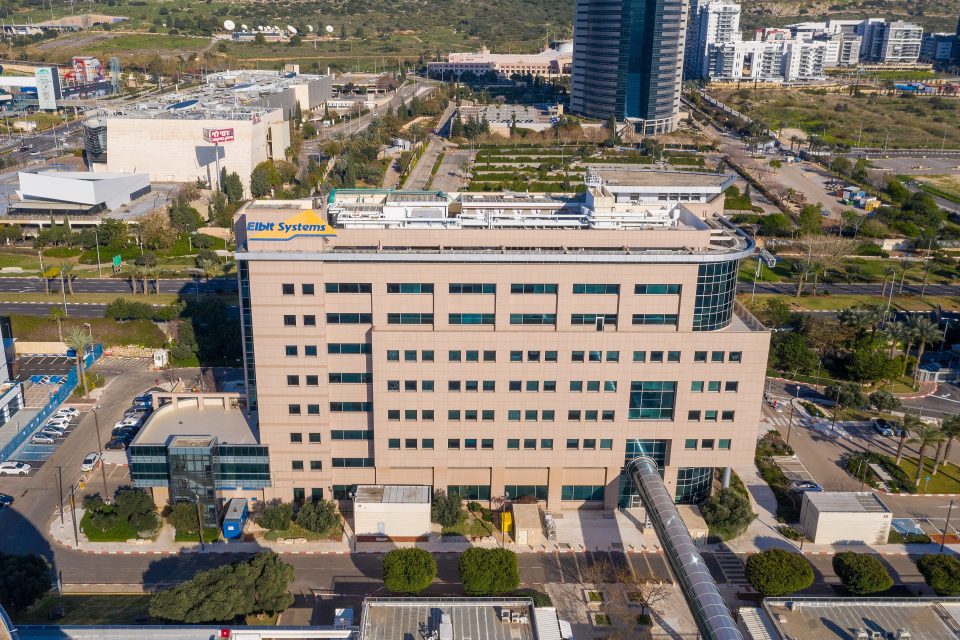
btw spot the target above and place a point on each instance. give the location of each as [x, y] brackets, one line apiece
[710, 23]
[894, 43]
[628, 61]
[937, 48]
[501, 344]
[549, 63]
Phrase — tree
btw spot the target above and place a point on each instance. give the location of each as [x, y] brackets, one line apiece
[264, 179]
[727, 512]
[276, 516]
[183, 217]
[58, 315]
[259, 39]
[942, 573]
[318, 517]
[183, 517]
[23, 580]
[776, 572]
[80, 341]
[155, 230]
[231, 185]
[924, 333]
[258, 585]
[136, 507]
[791, 353]
[950, 429]
[485, 572]
[810, 219]
[861, 573]
[883, 401]
[908, 425]
[925, 435]
[445, 508]
[408, 570]
[776, 164]
[846, 394]
[66, 276]
[869, 364]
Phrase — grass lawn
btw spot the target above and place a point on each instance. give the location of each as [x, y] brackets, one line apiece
[210, 534]
[119, 533]
[111, 332]
[469, 526]
[947, 479]
[88, 609]
[56, 297]
[947, 186]
[26, 259]
[835, 302]
[296, 531]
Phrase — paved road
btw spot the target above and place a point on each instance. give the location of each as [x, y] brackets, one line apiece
[43, 309]
[789, 288]
[419, 177]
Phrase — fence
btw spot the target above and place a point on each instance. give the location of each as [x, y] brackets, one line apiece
[56, 399]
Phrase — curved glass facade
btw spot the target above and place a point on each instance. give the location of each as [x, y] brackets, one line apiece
[693, 484]
[716, 292]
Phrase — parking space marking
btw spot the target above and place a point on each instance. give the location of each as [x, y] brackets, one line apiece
[793, 469]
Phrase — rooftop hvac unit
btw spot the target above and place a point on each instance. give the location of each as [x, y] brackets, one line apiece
[862, 634]
[903, 634]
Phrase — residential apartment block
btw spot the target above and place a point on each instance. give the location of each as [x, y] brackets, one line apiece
[774, 55]
[501, 344]
[710, 23]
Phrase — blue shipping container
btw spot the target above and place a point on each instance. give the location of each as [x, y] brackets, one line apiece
[235, 518]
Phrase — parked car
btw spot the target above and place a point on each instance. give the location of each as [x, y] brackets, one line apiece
[883, 427]
[70, 412]
[805, 486]
[5, 500]
[60, 423]
[90, 462]
[42, 438]
[136, 412]
[133, 421]
[125, 432]
[120, 443]
[57, 432]
[12, 468]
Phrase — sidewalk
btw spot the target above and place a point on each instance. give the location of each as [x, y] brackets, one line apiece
[577, 531]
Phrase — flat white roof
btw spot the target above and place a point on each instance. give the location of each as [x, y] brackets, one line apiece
[392, 493]
[846, 502]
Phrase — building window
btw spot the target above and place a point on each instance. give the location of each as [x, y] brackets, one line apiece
[593, 319]
[693, 484]
[735, 356]
[470, 491]
[426, 443]
[639, 356]
[293, 409]
[287, 289]
[716, 291]
[453, 356]
[296, 465]
[349, 318]
[313, 381]
[656, 289]
[309, 321]
[716, 356]
[393, 355]
[350, 463]
[486, 443]
[310, 350]
[469, 443]
[613, 356]
[472, 287]
[606, 443]
[348, 287]
[576, 386]
[696, 386]
[293, 381]
[427, 355]
[307, 289]
[289, 320]
[589, 443]
[723, 444]
[584, 492]
[707, 444]
[690, 444]
[487, 415]
[356, 434]
[290, 350]
[410, 287]
[313, 409]
[426, 385]
[351, 407]
[573, 415]
[410, 355]
[349, 348]
[577, 356]
[673, 356]
[296, 438]
[472, 355]
[393, 414]
[549, 386]
[655, 318]
[546, 443]
[513, 415]
[656, 356]
[316, 465]
[731, 386]
[710, 415]
[471, 318]
[713, 386]
[727, 416]
[348, 378]
[573, 443]
[489, 356]
[517, 491]
[453, 443]
[410, 414]
[393, 385]
[596, 288]
[314, 438]
[516, 356]
[693, 415]
[409, 318]
[652, 400]
[549, 356]
[533, 288]
[533, 318]
[513, 443]
[409, 385]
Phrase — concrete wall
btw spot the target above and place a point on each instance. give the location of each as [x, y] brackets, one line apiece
[399, 520]
[56, 348]
[835, 527]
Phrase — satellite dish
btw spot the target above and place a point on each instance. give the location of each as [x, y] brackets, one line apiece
[244, 27]
[329, 28]
[229, 25]
[310, 28]
[259, 27]
[292, 30]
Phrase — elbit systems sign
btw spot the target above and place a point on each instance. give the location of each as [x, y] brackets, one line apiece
[306, 223]
[216, 136]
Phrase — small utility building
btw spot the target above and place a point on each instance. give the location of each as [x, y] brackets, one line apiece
[832, 517]
[400, 513]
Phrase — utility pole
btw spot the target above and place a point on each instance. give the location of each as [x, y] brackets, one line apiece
[199, 521]
[73, 516]
[60, 490]
[103, 467]
[945, 526]
[793, 406]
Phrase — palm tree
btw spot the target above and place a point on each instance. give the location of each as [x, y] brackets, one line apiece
[66, 275]
[908, 425]
[926, 435]
[79, 340]
[153, 273]
[898, 333]
[924, 332]
[209, 268]
[950, 429]
[856, 318]
[133, 272]
[57, 314]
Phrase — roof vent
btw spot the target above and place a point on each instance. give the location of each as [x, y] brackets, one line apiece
[903, 634]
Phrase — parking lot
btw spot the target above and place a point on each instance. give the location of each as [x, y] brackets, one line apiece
[36, 453]
[27, 367]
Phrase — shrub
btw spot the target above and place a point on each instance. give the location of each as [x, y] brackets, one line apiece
[408, 570]
[777, 572]
[183, 517]
[540, 599]
[486, 572]
[862, 573]
[473, 506]
[277, 516]
[23, 579]
[445, 509]
[942, 573]
[318, 517]
[727, 512]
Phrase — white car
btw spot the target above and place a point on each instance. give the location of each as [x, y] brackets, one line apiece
[90, 462]
[69, 412]
[52, 431]
[14, 468]
[132, 421]
[42, 438]
[63, 423]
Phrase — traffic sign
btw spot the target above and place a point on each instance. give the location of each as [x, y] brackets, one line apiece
[116, 262]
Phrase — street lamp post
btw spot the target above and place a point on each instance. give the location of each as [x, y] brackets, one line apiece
[199, 521]
[793, 406]
[946, 525]
[96, 235]
[103, 468]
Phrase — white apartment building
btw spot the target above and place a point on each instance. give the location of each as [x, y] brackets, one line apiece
[549, 63]
[890, 42]
[804, 60]
[774, 55]
[712, 22]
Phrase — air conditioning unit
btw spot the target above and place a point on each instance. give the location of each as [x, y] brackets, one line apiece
[862, 634]
[903, 634]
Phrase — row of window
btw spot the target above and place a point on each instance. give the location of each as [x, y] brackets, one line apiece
[513, 444]
[513, 415]
[290, 320]
[307, 289]
[710, 415]
[297, 465]
[713, 386]
[707, 444]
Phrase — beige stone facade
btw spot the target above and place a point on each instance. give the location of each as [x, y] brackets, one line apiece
[499, 409]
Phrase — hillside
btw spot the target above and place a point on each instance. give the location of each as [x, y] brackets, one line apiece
[933, 15]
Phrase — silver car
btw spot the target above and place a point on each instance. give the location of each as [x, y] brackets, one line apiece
[12, 468]
[42, 438]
